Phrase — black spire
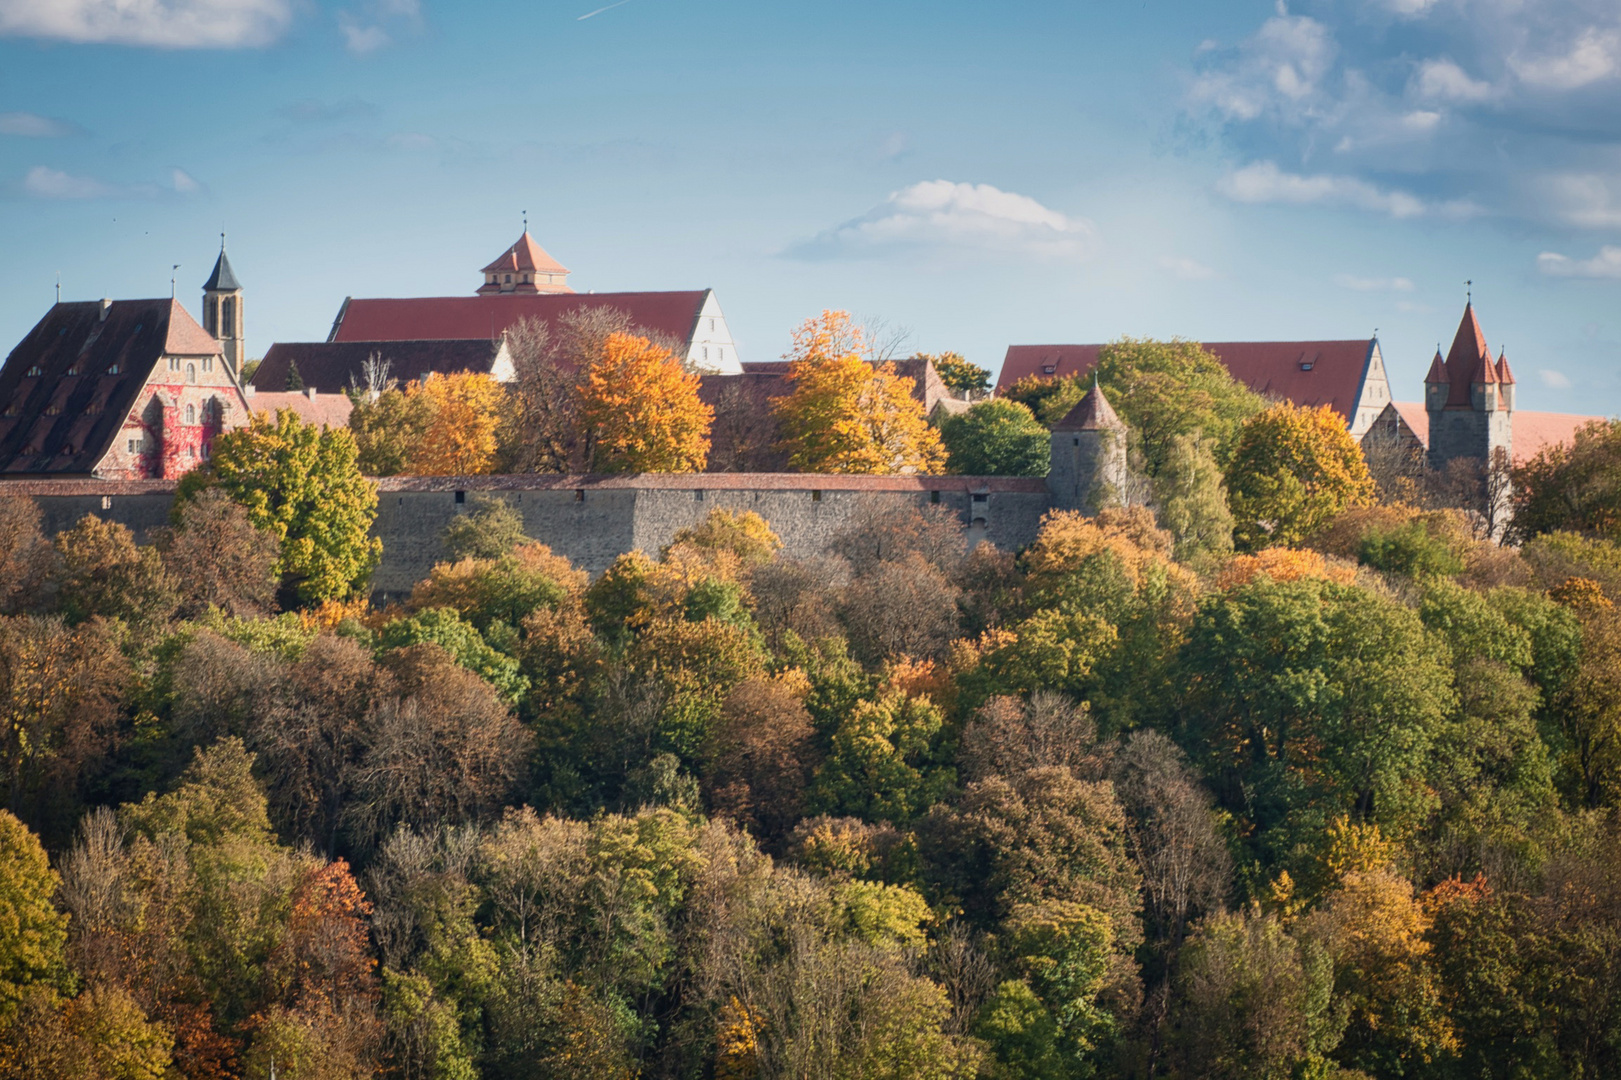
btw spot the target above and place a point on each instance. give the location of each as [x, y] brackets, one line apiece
[222, 279]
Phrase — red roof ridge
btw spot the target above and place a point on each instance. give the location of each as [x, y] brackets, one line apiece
[524, 255]
[184, 336]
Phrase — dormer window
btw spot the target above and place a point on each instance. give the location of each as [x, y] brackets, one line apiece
[1048, 369]
[1305, 365]
[112, 369]
[74, 370]
[509, 279]
[35, 372]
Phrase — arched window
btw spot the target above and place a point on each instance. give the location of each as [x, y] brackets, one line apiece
[191, 372]
[191, 414]
[228, 318]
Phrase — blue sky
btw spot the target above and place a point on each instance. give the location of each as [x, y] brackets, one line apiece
[980, 174]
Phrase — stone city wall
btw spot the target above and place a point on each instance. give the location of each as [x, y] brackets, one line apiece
[594, 519]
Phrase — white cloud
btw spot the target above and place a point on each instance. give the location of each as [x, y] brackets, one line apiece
[1369, 284]
[1595, 55]
[183, 182]
[1278, 69]
[942, 213]
[376, 23]
[1185, 268]
[1444, 81]
[1582, 200]
[1556, 380]
[1606, 264]
[45, 183]
[168, 24]
[34, 127]
[1408, 8]
[1264, 182]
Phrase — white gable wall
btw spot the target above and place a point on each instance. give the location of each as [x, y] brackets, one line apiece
[712, 348]
[1373, 396]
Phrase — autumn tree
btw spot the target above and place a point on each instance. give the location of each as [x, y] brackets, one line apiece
[1572, 487]
[1191, 501]
[302, 484]
[1293, 469]
[997, 438]
[846, 414]
[218, 558]
[32, 932]
[464, 410]
[101, 571]
[640, 410]
[25, 556]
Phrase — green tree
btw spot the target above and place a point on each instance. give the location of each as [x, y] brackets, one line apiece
[444, 627]
[1293, 469]
[1192, 500]
[302, 484]
[957, 373]
[881, 766]
[32, 932]
[491, 528]
[996, 438]
[1166, 389]
[388, 425]
[1306, 699]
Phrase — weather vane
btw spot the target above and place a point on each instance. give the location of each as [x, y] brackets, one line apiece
[1469, 294]
[172, 270]
[526, 221]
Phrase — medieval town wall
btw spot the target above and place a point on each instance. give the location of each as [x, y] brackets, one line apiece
[592, 520]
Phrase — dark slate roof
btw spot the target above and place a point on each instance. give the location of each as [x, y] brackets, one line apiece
[90, 373]
[222, 279]
[333, 366]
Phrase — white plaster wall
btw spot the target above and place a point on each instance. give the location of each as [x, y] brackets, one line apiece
[712, 345]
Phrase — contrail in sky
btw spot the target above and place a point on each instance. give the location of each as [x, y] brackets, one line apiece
[600, 10]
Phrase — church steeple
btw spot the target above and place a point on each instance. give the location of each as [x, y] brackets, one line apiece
[222, 310]
[525, 269]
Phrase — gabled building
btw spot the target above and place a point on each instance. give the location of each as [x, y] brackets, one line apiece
[1469, 398]
[115, 389]
[1348, 376]
[525, 282]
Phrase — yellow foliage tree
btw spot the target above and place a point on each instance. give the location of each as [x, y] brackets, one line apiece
[1293, 470]
[846, 415]
[641, 411]
[460, 437]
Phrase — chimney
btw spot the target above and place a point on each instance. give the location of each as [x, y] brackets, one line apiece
[106, 305]
[309, 392]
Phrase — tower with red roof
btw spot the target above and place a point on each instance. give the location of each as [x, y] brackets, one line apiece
[1469, 398]
[1088, 455]
[524, 269]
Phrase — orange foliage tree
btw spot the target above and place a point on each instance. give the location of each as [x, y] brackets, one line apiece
[460, 438]
[640, 410]
[1284, 564]
[846, 415]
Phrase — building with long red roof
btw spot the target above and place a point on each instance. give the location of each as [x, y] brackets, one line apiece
[523, 283]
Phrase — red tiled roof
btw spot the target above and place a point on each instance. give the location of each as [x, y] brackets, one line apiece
[328, 410]
[1532, 431]
[1305, 372]
[91, 371]
[1505, 374]
[1469, 361]
[1012, 485]
[525, 255]
[333, 366]
[1092, 413]
[440, 318]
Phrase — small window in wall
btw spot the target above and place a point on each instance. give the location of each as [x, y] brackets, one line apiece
[191, 414]
[509, 279]
[711, 325]
[934, 496]
[980, 498]
[461, 496]
[134, 445]
[174, 363]
[579, 495]
[208, 363]
[191, 373]
[698, 495]
[106, 502]
[816, 496]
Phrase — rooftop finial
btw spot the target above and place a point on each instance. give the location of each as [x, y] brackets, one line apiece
[526, 221]
[222, 241]
[59, 286]
[1469, 294]
[172, 271]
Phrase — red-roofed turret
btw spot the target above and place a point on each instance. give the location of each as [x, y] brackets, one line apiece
[1505, 381]
[1437, 384]
[525, 269]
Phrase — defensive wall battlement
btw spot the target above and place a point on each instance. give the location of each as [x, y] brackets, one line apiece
[594, 519]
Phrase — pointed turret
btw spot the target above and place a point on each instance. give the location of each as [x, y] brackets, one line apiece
[525, 269]
[222, 310]
[1092, 413]
[1470, 397]
[1088, 462]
